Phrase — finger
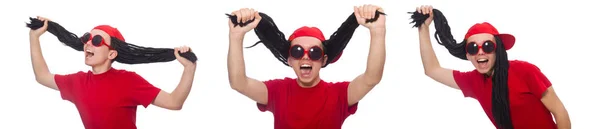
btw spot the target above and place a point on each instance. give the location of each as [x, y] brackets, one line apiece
[362, 12]
[252, 11]
[243, 15]
[356, 12]
[238, 16]
[367, 11]
[380, 9]
[371, 12]
[429, 9]
[186, 49]
[418, 10]
[248, 14]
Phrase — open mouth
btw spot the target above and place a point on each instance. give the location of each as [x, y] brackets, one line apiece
[482, 61]
[305, 67]
[88, 53]
[305, 70]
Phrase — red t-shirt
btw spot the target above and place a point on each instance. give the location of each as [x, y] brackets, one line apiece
[526, 84]
[108, 100]
[324, 106]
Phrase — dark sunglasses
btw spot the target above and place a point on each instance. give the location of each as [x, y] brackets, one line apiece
[97, 40]
[314, 53]
[487, 47]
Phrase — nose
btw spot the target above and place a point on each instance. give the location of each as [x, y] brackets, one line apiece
[305, 56]
[480, 51]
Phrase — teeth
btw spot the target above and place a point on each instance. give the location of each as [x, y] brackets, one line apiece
[88, 51]
[305, 65]
[482, 60]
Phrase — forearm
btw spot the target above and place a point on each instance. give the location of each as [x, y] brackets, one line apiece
[428, 57]
[376, 58]
[40, 68]
[182, 90]
[562, 120]
[235, 62]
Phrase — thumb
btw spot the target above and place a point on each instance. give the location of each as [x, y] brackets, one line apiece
[176, 52]
[257, 19]
[356, 13]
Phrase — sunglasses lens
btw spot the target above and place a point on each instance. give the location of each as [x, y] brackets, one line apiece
[315, 53]
[85, 38]
[472, 48]
[488, 47]
[297, 52]
[96, 40]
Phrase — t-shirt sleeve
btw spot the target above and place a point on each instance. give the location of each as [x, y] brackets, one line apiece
[537, 82]
[343, 89]
[464, 82]
[142, 92]
[66, 84]
[273, 89]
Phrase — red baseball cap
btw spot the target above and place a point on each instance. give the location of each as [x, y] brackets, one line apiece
[111, 31]
[311, 32]
[485, 27]
[307, 31]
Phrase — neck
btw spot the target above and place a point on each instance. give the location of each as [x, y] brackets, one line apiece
[489, 73]
[102, 68]
[309, 84]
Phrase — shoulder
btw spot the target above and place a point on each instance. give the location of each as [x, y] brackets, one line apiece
[122, 72]
[465, 74]
[523, 66]
[336, 83]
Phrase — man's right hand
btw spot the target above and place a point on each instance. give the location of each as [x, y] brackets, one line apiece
[426, 9]
[244, 15]
[37, 33]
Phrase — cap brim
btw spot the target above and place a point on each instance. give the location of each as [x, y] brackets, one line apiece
[508, 40]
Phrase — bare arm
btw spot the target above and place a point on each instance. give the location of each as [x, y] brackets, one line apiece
[252, 88]
[361, 85]
[40, 68]
[238, 80]
[430, 62]
[556, 107]
[176, 99]
[365, 82]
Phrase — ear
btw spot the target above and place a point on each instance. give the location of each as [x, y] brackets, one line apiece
[112, 54]
[324, 60]
[289, 61]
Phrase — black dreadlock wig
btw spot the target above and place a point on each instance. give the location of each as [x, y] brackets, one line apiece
[500, 99]
[128, 53]
[277, 43]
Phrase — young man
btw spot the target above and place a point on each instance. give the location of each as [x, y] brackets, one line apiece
[513, 94]
[306, 101]
[107, 98]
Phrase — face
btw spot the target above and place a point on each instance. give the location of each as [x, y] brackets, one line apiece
[97, 48]
[307, 58]
[481, 51]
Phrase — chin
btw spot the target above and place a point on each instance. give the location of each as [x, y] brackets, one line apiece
[484, 71]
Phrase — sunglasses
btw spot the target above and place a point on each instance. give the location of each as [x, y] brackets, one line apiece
[487, 47]
[97, 40]
[314, 53]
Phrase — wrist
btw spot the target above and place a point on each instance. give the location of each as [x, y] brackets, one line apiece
[236, 35]
[191, 67]
[424, 27]
[377, 30]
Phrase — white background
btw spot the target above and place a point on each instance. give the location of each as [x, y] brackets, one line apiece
[560, 37]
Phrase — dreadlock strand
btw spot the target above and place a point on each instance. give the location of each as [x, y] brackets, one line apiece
[269, 35]
[443, 33]
[128, 53]
[500, 97]
[134, 54]
[63, 35]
